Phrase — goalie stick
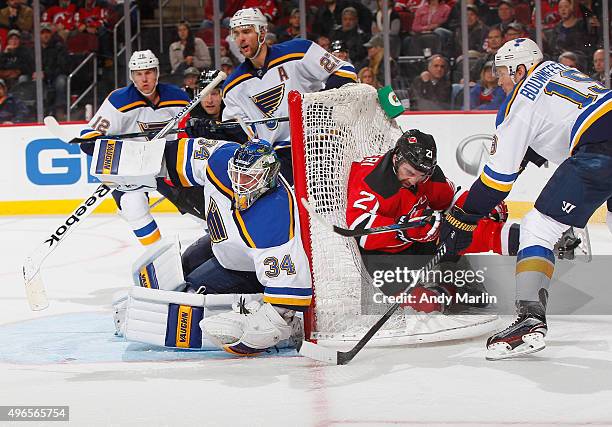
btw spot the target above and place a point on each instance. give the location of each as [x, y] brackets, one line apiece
[34, 285]
[346, 232]
[334, 357]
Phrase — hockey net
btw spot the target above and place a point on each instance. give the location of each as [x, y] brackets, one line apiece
[329, 131]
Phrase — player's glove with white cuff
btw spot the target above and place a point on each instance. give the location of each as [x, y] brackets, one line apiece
[457, 230]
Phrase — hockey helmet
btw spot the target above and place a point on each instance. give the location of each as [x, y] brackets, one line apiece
[144, 60]
[418, 149]
[517, 52]
[249, 16]
[253, 170]
[338, 46]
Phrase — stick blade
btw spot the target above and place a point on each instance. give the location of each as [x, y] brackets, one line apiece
[57, 130]
[35, 292]
[34, 286]
[320, 353]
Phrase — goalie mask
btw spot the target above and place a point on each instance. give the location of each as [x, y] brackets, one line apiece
[418, 149]
[253, 171]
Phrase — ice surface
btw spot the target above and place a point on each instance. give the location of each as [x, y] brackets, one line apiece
[67, 355]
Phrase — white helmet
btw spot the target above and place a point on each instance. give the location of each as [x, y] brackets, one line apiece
[518, 52]
[144, 60]
[249, 16]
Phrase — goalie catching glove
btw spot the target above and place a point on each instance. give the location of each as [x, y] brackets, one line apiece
[427, 233]
[250, 329]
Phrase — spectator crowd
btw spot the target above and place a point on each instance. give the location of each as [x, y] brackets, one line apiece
[425, 43]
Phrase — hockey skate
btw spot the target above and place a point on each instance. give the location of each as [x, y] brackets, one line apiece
[524, 336]
[574, 241]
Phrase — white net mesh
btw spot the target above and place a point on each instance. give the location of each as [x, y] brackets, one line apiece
[342, 126]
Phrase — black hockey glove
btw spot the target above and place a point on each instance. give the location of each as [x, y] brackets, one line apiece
[457, 229]
[201, 128]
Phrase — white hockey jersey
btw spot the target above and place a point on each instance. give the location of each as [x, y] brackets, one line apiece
[247, 240]
[126, 110]
[259, 93]
[553, 110]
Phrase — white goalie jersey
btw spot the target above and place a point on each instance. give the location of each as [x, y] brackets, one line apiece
[265, 238]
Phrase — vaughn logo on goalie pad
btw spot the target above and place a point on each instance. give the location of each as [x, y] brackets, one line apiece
[100, 192]
[109, 162]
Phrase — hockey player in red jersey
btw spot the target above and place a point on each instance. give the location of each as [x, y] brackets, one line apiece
[406, 185]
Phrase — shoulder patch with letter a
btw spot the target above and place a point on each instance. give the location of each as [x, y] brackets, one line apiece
[268, 102]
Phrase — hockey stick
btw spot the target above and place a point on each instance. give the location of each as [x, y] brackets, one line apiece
[35, 290]
[231, 124]
[56, 129]
[334, 357]
[365, 232]
[66, 136]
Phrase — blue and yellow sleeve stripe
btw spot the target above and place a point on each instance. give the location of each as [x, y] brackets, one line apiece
[588, 119]
[298, 299]
[535, 259]
[184, 169]
[498, 181]
[347, 72]
[148, 234]
[90, 134]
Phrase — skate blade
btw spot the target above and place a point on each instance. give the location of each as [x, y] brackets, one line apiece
[531, 343]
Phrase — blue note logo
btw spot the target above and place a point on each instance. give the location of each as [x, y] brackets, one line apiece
[268, 102]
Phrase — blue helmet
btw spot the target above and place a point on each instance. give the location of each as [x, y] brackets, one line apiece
[253, 170]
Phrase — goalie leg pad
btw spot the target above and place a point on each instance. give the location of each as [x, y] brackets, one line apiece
[247, 334]
[164, 318]
[160, 267]
[120, 300]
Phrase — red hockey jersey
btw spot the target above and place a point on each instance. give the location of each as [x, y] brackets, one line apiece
[376, 198]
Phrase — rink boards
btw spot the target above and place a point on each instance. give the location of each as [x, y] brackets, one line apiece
[43, 175]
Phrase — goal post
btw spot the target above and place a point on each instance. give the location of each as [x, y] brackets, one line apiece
[329, 131]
